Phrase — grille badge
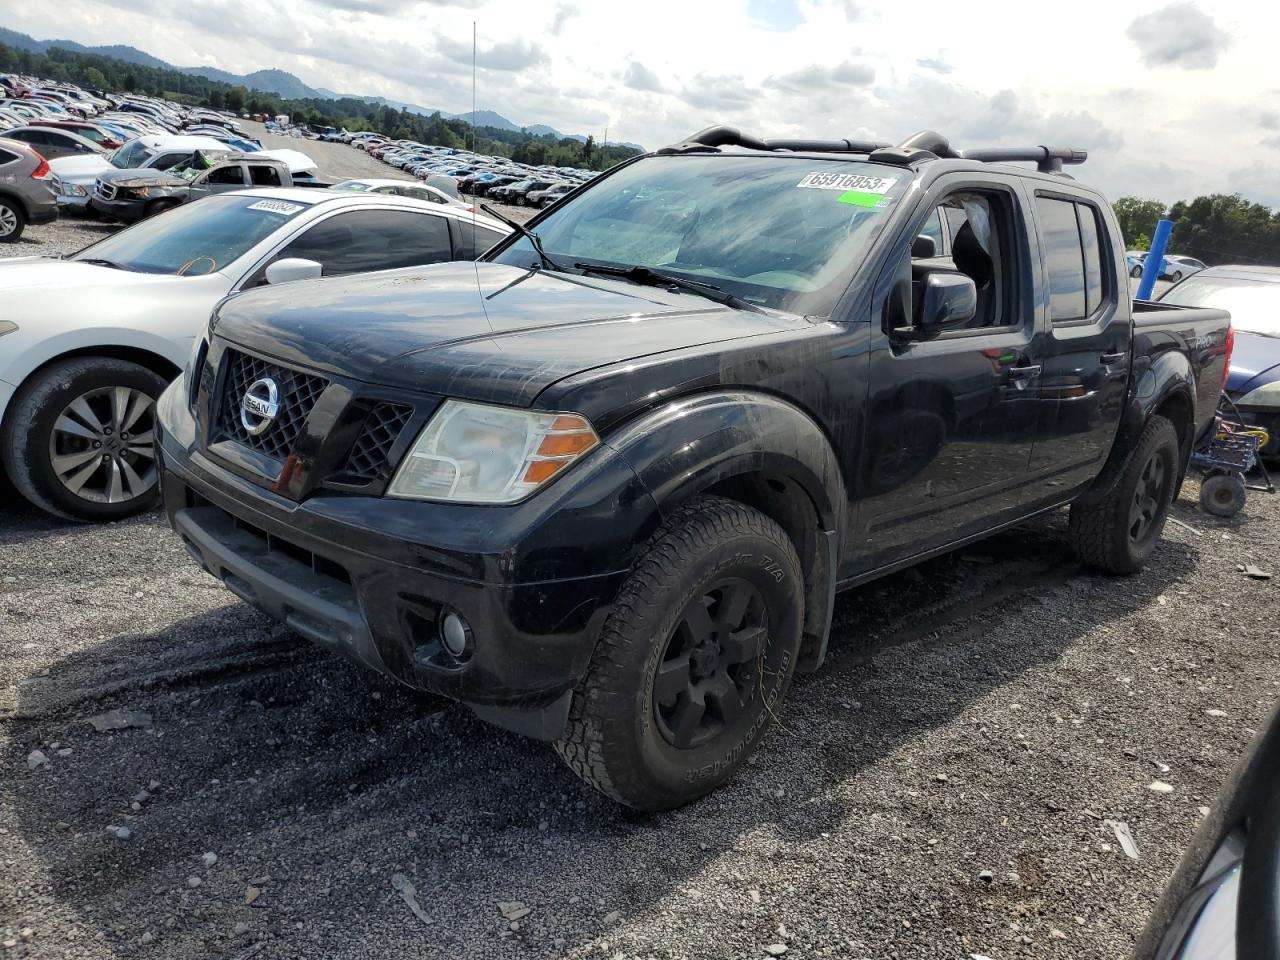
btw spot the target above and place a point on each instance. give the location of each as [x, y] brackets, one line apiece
[259, 406]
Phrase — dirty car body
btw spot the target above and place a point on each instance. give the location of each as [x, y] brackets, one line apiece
[749, 332]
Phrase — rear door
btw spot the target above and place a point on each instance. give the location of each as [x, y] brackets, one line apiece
[1084, 352]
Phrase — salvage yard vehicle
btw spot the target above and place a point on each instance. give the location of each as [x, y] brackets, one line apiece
[89, 342]
[1252, 295]
[403, 188]
[130, 195]
[52, 143]
[26, 191]
[75, 177]
[603, 485]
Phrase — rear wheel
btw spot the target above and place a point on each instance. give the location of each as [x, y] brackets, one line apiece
[79, 441]
[1135, 272]
[1119, 532]
[693, 663]
[1176, 277]
[13, 220]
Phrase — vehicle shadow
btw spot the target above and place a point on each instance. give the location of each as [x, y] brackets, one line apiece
[314, 782]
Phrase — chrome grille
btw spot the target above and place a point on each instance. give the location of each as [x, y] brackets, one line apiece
[106, 191]
[298, 393]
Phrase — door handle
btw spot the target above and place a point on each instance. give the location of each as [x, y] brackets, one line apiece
[1024, 373]
[1110, 358]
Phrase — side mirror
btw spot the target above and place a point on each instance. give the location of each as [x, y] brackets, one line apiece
[923, 247]
[293, 268]
[947, 300]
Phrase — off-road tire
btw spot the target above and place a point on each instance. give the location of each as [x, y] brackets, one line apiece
[1222, 494]
[24, 438]
[613, 740]
[1099, 531]
[19, 215]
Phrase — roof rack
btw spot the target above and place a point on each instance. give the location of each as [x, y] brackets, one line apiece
[925, 145]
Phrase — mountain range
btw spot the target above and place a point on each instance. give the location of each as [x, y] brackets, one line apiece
[280, 82]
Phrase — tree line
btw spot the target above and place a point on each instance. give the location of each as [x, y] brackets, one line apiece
[1219, 228]
[93, 71]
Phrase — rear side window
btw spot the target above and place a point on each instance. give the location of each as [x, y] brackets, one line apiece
[227, 175]
[474, 239]
[1071, 237]
[264, 176]
[7, 157]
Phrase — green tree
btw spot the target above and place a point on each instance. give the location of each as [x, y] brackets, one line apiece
[235, 98]
[130, 82]
[1137, 219]
[215, 99]
[95, 78]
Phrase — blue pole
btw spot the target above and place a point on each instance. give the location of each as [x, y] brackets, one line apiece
[1159, 243]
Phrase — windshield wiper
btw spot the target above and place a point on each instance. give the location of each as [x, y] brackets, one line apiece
[99, 262]
[655, 278]
[524, 231]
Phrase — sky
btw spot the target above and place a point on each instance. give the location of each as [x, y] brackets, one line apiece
[1170, 101]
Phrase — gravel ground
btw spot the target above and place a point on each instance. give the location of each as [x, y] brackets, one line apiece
[337, 161]
[985, 712]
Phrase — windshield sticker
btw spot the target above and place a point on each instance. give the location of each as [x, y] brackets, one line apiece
[848, 183]
[276, 206]
[861, 198]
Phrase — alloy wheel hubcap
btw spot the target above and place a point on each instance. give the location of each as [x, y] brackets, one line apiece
[8, 221]
[1147, 498]
[711, 667]
[102, 446]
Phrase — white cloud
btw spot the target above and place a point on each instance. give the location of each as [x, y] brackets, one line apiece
[866, 68]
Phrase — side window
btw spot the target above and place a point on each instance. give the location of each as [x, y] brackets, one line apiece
[228, 175]
[374, 240]
[474, 239]
[1071, 237]
[264, 176]
[980, 227]
[33, 137]
[166, 160]
[7, 157]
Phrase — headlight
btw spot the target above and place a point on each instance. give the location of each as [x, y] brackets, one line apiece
[73, 190]
[1267, 395]
[476, 453]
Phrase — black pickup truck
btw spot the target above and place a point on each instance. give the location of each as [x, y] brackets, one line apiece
[604, 485]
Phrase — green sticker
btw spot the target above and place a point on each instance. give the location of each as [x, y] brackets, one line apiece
[860, 199]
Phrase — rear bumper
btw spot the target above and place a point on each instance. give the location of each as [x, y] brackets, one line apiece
[345, 585]
[38, 213]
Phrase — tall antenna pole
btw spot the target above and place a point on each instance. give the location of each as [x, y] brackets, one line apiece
[473, 86]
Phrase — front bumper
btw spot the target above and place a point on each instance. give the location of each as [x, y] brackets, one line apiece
[363, 576]
[126, 209]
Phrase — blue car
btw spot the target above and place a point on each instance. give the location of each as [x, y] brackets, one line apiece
[1252, 295]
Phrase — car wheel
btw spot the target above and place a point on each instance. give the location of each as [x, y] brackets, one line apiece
[79, 439]
[1176, 277]
[694, 661]
[1223, 494]
[13, 220]
[1119, 532]
[1135, 272]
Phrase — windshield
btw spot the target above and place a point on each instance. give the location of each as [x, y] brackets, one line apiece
[132, 154]
[1254, 304]
[196, 238]
[779, 231]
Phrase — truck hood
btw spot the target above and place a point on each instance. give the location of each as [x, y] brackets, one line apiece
[1254, 361]
[479, 331]
[141, 177]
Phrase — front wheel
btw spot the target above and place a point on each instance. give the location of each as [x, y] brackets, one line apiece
[694, 661]
[79, 441]
[1177, 277]
[1119, 532]
[1135, 272]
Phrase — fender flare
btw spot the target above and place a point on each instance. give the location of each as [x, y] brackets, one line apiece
[691, 445]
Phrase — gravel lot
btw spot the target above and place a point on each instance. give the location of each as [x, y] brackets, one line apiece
[986, 712]
[939, 790]
[337, 161]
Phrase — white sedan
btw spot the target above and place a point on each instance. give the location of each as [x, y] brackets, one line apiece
[405, 188]
[88, 343]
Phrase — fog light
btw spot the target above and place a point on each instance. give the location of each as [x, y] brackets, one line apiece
[454, 634]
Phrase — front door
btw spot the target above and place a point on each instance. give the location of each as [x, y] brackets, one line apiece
[949, 427]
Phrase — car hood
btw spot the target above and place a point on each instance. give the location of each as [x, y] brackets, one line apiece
[86, 167]
[141, 177]
[1254, 361]
[46, 283]
[479, 331]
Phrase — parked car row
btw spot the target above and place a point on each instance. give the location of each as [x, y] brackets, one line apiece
[497, 178]
[1172, 267]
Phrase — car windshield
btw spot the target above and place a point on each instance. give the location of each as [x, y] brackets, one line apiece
[783, 232]
[197, 238]
[131, 155]
[1254, 304]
